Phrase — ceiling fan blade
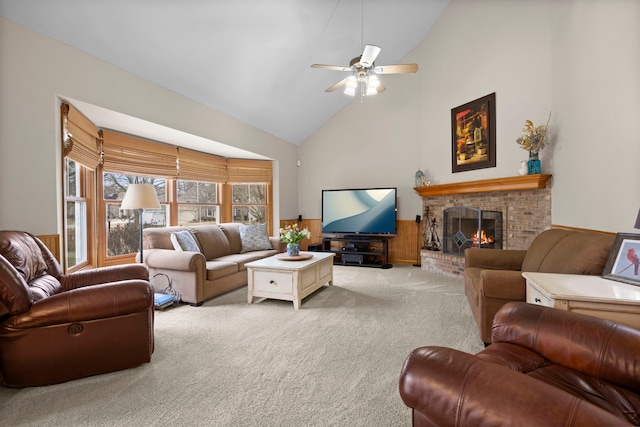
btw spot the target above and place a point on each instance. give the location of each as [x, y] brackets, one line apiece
[337, 85]
[369, 55]
[331, 67]
[396, 69]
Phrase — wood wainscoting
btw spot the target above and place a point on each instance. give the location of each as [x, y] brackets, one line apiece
[52, 241]
[403, 247]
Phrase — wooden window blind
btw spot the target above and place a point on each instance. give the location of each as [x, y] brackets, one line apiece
[242, 170]
[130, 155]
[80, 138]
[197, 166]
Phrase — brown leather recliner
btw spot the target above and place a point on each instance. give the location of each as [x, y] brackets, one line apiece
[56, 327]
[493, 277]
[545, 367]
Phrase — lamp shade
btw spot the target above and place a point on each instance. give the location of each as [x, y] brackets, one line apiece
[140, 196]
[637, 221]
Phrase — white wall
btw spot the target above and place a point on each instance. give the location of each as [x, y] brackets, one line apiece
[36, 70]
[596, 99]
[533, 55]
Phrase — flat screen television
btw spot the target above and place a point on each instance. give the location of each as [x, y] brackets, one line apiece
[366, 211]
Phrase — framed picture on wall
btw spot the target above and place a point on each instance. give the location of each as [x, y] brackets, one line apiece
[473, 134]
[623, 264]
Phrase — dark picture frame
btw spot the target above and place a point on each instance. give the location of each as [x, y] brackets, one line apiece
[473, 135]
[620, 265]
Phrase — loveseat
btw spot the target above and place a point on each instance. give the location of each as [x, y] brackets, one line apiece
[493, 277]
[57, 327]
[545, 367]
[215, 265]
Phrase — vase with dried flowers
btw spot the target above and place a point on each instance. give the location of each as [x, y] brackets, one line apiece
[533, 139]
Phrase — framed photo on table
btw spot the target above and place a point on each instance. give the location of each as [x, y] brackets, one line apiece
[473, 134]
[623, 264]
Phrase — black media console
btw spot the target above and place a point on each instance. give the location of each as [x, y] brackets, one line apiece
[360, 251]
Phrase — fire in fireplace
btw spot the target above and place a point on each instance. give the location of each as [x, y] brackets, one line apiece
[465, 227]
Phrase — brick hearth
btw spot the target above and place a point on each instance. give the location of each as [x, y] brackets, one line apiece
[525, 203]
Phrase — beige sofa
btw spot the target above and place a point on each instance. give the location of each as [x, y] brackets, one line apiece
[218, 268]
[493, 277]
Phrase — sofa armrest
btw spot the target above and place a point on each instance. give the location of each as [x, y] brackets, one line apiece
[597, 347]
[496, 259]
[86, 303]
[167, 259]
[503, 284]
[102, 275]
[452, 388]
[277, 244]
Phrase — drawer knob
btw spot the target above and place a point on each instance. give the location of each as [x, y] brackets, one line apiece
[537, 300]
[272, 282]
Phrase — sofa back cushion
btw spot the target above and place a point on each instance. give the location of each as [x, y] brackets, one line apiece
[212, 241]
[159, 238]
[569, 252]
[232, 231]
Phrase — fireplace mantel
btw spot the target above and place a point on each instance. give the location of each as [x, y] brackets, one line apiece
[524, 182]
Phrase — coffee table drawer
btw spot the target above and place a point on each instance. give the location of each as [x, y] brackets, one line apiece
[274, 282]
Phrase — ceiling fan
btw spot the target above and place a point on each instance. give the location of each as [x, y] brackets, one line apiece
[364, 73]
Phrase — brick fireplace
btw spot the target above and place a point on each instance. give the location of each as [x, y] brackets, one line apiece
[523, 201]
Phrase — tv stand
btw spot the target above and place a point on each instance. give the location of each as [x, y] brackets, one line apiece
[359, 251]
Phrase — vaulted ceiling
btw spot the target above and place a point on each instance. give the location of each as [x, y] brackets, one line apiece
[249, 59]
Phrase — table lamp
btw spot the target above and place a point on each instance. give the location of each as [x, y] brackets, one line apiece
[140, 196]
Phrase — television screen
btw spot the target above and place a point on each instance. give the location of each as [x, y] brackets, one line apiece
[359, 211]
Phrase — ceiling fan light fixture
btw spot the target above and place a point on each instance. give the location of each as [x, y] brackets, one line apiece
[351, 91]
[371, 91]
[351, 83]
[373, 82]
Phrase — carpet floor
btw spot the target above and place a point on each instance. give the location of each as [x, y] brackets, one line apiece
[334, 362]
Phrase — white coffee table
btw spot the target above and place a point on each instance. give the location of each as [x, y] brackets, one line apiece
[279, 278]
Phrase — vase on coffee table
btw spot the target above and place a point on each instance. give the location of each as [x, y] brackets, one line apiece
[293, 249]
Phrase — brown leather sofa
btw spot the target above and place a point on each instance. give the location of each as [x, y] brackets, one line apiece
[493, 277]
[56, 327]
[545, 367]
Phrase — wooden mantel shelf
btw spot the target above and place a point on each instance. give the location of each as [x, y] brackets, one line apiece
[511, 183]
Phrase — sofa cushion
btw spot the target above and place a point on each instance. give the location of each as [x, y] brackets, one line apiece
[242, 259]
[160, 237]
[212, 241]
[568, 252]
[218, 269]
[184, 241]
[232, 231]
[254, 238]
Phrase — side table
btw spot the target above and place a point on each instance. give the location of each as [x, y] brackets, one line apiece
[590, 295]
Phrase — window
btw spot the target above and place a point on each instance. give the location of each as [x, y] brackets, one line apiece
[197, 202]
[76, 213]
[249, 203]
[193, 188]
[123, 226]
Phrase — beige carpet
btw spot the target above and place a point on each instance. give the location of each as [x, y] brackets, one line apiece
[335, 362]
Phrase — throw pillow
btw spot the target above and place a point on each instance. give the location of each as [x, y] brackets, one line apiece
[254, 238]
[184, 241]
